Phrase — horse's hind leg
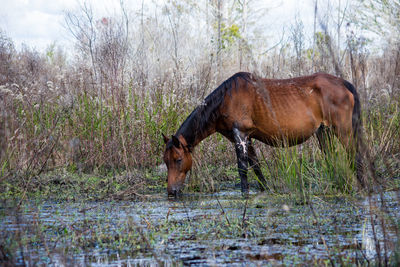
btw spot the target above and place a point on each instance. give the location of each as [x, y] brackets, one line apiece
[253, 162]
[241, 147]
[324, 136]
[348, 140]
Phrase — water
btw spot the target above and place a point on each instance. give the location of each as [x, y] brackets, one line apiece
[201, 229]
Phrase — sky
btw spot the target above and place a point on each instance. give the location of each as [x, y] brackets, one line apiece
[36, 23]
[39, 23]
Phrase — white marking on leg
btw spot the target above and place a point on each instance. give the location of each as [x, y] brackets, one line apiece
[243, 144]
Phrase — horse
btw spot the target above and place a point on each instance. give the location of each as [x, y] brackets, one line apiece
[277, 112]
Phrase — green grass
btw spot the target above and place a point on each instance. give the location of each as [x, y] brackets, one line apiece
[308, 170]
[118, 135]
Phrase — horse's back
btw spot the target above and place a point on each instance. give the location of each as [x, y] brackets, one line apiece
[320, 97]
[294, 109]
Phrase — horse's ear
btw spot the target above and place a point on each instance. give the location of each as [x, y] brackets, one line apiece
[176, 142]
[166, 139]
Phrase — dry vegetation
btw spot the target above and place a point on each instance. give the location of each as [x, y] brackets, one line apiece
[88, 122]
[101, 108]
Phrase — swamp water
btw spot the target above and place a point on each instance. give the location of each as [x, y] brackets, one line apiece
[200, 229]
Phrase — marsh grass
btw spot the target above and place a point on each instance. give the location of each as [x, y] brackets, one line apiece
[307, 168]
[57, 116]
[95, 140]
[90, 129]
[214, 165]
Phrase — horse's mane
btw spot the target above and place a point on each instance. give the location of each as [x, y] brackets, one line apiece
[207, 113]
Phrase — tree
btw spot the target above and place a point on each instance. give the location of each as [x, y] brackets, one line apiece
[297, 36]
[379, 17]
[383, 19]
[7, 51]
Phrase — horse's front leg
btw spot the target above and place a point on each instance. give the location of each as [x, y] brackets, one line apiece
[253, 162]
[241, 147]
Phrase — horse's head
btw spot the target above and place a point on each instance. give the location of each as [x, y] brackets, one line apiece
[178, 158]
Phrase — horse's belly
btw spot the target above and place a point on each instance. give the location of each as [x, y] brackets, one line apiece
[286, 133]
[279, 140]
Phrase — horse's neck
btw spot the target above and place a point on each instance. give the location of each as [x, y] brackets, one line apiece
[193, 131]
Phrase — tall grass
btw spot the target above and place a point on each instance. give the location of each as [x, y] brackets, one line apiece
[69, 117]
[305, 167]
[58, 115]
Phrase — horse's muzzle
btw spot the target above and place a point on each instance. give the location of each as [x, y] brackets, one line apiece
[174, 192]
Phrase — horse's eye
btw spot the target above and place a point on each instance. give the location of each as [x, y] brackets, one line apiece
[179, 161]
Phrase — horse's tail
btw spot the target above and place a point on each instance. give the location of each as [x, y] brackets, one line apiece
[356, 118]
[357, 131]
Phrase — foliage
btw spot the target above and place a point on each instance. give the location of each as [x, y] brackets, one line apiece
[86, 125]
[380, 17]
[103, 111]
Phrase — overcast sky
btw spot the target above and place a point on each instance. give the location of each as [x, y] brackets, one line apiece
[38, 23]
[34, 22]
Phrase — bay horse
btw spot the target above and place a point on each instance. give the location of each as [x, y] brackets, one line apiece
[276, 112]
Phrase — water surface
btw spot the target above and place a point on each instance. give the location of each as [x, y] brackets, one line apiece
[201, 229]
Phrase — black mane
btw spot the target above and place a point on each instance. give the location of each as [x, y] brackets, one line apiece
[207, 113]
